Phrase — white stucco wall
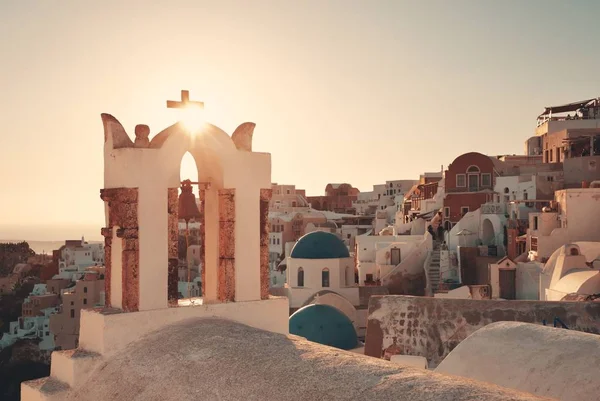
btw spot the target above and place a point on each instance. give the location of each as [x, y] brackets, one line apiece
[470, 222]
[341, 272]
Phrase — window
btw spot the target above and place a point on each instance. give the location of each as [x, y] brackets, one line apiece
[369, 278]
[85, 289]
[72, 303]
[325, 278]
[72, 313]
[535, 222]
[486, 180]
[349, 236]
[461, 180]
[525, 196]
[288, 191]
[464, 210]
[277, 241]
[85, 301]
[446, 212]
[473, 169]
[300, 277]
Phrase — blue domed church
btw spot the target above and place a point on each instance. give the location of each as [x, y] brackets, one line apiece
[320, 272]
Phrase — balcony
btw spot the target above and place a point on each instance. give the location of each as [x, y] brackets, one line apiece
[470, 188]
[493, 208]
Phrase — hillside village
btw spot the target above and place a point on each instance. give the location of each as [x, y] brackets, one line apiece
[488, 239]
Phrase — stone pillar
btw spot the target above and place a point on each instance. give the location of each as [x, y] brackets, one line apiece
[131, 269]
[173, 274]
[265, 279]
[122, 213]
[107, 234]
[226, 273]
[202, 198]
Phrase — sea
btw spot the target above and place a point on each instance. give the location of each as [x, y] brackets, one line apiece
[45, 247]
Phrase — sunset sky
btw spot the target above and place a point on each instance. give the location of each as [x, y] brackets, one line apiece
[340, 91]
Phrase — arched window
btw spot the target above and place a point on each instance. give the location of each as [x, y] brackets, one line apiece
[473, 169]
[300, 277]
[325, 278]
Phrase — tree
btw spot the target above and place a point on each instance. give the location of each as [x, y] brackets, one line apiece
[11, 254]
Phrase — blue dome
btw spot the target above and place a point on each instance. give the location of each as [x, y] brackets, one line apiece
[325, 325]
[319, 245]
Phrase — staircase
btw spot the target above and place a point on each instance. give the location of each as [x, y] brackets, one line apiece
[433, 271]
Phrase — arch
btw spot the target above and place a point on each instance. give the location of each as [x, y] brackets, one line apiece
[211, 148]
[506, 190]
[300, 277]
[325, 282]
[188, 169]
[488, 235]
[338, 301]
[473, 169]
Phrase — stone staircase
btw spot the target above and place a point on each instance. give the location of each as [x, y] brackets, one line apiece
[68, 369]
[433, 270]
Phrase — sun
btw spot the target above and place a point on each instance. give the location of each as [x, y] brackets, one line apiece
[193, 118]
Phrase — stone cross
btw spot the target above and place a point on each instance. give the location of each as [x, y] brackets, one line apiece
[184, 102]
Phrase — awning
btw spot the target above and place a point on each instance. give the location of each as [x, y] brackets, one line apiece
[427, 215]
[566, 107]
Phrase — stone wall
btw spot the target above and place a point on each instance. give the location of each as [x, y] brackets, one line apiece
[432, 327]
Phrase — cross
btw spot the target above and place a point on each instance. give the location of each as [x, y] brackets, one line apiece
[184, 102]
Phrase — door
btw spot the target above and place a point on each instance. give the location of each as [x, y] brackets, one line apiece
[395, 256]
[508, 283]
[473, 182]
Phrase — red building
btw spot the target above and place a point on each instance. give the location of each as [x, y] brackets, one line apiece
[469, 182]
[338, 198]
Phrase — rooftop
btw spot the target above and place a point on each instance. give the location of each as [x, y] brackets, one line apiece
[215, 359]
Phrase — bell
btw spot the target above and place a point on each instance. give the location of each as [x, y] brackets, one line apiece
[188, 209]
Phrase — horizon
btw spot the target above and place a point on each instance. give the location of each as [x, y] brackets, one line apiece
[340, 91]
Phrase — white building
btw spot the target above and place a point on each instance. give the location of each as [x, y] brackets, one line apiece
[76, 256]
[572, 270]
[380, 256]
[573, 219]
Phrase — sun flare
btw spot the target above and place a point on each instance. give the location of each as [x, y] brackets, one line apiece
[193, 118]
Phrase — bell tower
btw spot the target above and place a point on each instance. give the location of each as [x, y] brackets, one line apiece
[143, 210]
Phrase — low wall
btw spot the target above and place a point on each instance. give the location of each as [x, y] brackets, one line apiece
[432, 327]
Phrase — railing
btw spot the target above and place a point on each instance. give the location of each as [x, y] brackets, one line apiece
[493, 208]
[470, 188]
[542, 121]
[557, 322]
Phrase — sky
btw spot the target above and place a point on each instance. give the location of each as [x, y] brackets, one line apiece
[340, 90]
